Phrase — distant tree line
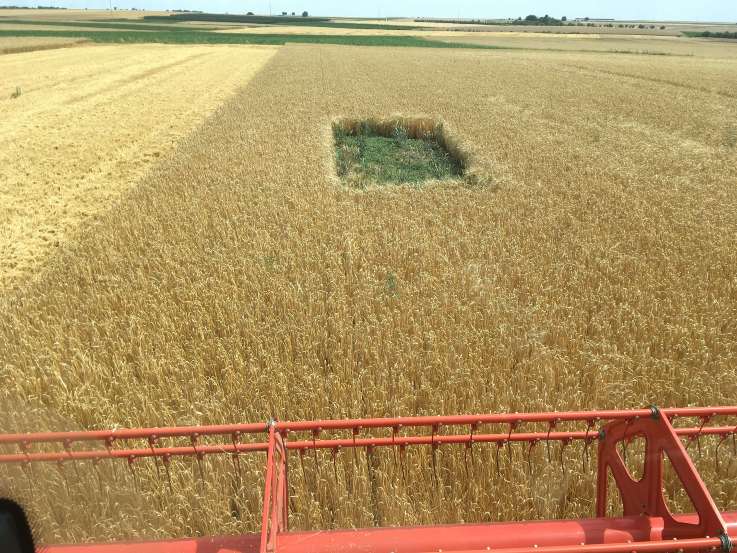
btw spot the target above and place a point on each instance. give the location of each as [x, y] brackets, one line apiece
[240, 18]
[529, 20]
[714, 34]
[544, 21]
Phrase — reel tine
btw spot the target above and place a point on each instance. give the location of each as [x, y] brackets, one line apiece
[403, 461]
[318, 475]
[198, 455]
[716, 453]
[587, 443]
[551, 426]
[166, 461]
[334, 454]
[512, 427]
[469, 447]
[563, 446]
[355, 432]
[499, 445]
[235, 457]
[533, 443]
[152, 442]
[435, 429]
[704, 421]
[131, 461]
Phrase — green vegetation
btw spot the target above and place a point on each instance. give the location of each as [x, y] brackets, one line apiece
[545, 20]
[710, 34]
[277, 20]
[122, 25]
[206, 37]
[364, 157]
[236, 18]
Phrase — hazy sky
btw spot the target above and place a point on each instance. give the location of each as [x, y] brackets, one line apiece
[700, 10]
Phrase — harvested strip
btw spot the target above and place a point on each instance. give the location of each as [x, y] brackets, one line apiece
[88, 123]
[15, 45]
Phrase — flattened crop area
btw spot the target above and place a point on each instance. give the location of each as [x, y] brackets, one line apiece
[88, 123]
[592, 264]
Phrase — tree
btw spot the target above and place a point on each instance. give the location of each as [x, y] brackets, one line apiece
[564, 18]
[305, 14]
[249, 13]
[531, 18]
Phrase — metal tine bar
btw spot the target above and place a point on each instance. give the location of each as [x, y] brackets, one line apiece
[209, 449]
[132, 433]
[464, 420]
[453, 420]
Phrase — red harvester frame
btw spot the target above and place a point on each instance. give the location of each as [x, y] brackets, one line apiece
[647, 525]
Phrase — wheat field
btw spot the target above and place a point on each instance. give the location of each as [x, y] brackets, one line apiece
[593, 267]
[15, 45]
[88, 124]
[79, 15]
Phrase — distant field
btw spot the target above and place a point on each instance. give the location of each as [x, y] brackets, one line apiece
[88, 124]
[76, 14]
[292, 21]
[201, 37]
[93, 25]
[678, 46]
[66, 27]
[13, 45]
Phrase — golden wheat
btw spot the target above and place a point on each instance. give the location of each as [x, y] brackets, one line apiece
[88, 123]
[15, 45]
[239, 281]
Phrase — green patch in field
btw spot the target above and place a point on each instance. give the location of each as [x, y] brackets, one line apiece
[398, 151]
[187, 36]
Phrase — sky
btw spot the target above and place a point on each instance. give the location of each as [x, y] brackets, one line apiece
[661, 10]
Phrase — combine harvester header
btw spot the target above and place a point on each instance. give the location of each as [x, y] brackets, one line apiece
[647, 525]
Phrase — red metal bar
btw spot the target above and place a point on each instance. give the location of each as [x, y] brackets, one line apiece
[133, 433]
[349, 424]
[645, 495]
[631, 532]
[266, 528]
[438, 439]
[506, 418]
[693, 544]
[593, 536]
[281, 502]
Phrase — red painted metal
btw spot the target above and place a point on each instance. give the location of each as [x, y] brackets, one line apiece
[632, 531]
[645, 496]
[203, 450]
[647, 525]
